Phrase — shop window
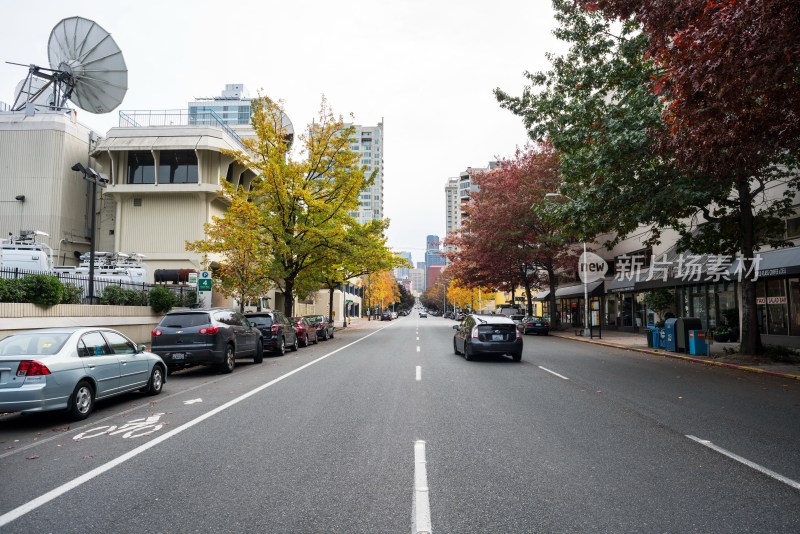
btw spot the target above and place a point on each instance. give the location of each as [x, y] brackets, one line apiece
[793, 227]
[777, 307]
[794, 301]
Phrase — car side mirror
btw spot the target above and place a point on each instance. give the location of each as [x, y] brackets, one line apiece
[455, 327]
[140, 348]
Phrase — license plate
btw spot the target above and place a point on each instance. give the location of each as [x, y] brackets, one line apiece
[178, 355]
[497, 337]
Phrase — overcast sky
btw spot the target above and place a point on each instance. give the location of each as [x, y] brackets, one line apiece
[426, 67]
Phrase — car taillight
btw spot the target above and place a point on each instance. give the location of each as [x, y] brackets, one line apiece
[32, 368]
[474, 332]
[547, 324]
[156, 332]
[529, 324]
[519, 333]
[209, 330]
[275, 329]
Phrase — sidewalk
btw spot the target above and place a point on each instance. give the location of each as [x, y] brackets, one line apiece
[638, 342]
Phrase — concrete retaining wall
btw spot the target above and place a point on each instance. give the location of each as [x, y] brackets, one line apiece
[136, 322]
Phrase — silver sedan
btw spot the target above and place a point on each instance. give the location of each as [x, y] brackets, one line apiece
[70, 368]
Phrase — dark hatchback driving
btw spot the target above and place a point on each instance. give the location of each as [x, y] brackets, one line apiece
[487, 334]
[209, 337]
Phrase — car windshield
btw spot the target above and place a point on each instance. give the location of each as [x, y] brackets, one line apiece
[314, 318]
[184, 320]
[33, 344]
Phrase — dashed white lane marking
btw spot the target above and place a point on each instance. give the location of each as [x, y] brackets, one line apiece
[417, 338]
[748, 463]
[417, 348]
[421, 506]
[40, 501]
[419, 373]
[553, 373]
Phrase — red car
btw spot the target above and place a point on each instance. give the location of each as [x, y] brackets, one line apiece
[306, 332]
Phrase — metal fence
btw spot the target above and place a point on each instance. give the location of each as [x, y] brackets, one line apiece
[176, 117]
[101, 283]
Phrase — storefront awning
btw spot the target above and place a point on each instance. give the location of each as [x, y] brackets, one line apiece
[576, 291]
[619, 286]
[785, 261]
[542, 295]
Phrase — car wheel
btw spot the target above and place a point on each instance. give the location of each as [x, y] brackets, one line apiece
[228, 363]
[305, 341]
[82, 401]
[259, 357]
[468, 355]
[331, 334]
[517, 356]
[281, 350]
[324, 336]
[296, 344]
[455, 347]
[156, 383]
[172, 369]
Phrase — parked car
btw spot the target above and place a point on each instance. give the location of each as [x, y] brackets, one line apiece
[517, 318]
[277, 331]
[71, 368]
[535, 324]
[386, 316]
[323, 324]
[487, 334]
[306, 332]
[423, 314]
[394, 315]
[217, 336]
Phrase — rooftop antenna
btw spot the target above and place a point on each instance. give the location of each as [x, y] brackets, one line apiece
[86, 67]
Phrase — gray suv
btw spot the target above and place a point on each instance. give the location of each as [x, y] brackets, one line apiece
[277, 332]
[209, 337]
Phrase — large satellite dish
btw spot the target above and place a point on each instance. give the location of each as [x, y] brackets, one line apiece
[86, 67]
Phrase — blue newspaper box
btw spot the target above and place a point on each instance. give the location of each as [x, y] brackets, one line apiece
[670, 340]
[656, 333]
[697, 343]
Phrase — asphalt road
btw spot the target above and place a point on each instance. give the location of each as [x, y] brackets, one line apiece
[383, 429]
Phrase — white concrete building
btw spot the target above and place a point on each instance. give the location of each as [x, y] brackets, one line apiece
[368, 142]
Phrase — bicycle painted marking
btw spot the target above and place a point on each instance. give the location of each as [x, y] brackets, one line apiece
[132, 429]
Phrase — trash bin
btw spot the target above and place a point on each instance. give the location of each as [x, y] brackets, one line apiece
[682, 327]
[670, 340]
[697, 343]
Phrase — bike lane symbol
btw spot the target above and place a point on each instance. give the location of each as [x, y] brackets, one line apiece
[132, 429]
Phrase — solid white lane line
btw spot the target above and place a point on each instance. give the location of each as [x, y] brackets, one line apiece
[421, 513]
[553, 373]
[30, 506]
[419, 373]
[748, 463]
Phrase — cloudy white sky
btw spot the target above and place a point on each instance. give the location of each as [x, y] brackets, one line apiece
[426, 67]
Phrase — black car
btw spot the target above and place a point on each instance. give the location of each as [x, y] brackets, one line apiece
[535, 324]
[217, 336]
[386, 316]
[277, 331]
[487, 334]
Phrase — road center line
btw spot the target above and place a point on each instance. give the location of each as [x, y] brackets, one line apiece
[421, 506]
[745, 461]
[417, 348]
[553, 373]
[419, 373]
[30, 506]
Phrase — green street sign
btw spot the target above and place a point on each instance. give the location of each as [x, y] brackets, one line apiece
[204, 284]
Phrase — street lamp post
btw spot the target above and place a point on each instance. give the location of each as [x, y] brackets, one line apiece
[588, 330]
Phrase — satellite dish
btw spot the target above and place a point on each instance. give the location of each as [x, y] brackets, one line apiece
[86, 67]
[30, 90]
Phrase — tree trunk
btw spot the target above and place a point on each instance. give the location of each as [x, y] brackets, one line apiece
[555, 317]
[288, 296]
[750, 334]
[330, 300]
[527, 285]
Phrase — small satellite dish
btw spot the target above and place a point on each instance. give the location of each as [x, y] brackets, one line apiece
[86, 67]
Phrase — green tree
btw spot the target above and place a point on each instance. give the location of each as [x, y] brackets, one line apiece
[302, 204]
[244, 270]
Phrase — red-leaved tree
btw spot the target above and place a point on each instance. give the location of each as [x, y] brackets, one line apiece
[503, 241]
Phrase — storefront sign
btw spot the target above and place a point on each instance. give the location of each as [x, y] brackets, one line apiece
[770, 300]
[591, 267]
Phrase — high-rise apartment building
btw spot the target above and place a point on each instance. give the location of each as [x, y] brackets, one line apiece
[368, 142]
[453, 208]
